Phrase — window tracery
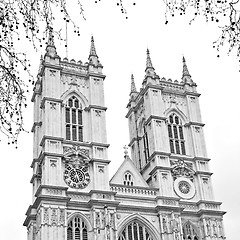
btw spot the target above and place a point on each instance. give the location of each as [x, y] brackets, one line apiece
[135, 231]
[128, 179]
[175, 134]
[73, 120]
[189, 232]
[77, 229]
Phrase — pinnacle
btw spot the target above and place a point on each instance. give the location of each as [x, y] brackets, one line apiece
[149, 62]
[185, 69]
[92, 48]
[133, 86]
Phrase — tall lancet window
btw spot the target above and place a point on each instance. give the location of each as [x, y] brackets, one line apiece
[135, 231]
[175, 133]
[77, 229]
[145, 144]
[74, 124]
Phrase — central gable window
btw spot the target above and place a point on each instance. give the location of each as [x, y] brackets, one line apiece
[128, 179]
[73, 120]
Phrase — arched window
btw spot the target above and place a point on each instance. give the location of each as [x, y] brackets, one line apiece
[189, 232]
[135, 231]
[128, 179]
[77, 229]
[175, 134]
[73, 119]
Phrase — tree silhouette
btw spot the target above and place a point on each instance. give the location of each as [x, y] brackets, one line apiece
[29, 20]
[32, 20]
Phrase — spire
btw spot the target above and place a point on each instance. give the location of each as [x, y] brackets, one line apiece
[133, 86]
[149, 62]
[92, 49]
[185, 69]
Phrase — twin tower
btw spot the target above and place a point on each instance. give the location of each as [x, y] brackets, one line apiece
[162, 192]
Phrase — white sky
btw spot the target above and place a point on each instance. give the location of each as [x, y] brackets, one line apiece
[121, 46]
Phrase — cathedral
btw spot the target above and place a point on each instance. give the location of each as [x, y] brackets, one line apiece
[161, 191]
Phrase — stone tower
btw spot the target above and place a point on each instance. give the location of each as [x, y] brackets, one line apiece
[163, 192]
[168, 149]
[70, 161]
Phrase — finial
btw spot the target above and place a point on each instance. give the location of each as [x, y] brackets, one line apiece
[125, 151]
[133, 86]
[149, 62]
[51, 49]
[92, 48]
[185, 69]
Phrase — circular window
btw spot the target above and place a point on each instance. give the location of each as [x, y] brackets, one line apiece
[184, 188]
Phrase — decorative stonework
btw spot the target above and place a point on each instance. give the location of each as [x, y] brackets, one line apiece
[54, 216]
[103, 196]
[172, 98]
[190, 207]
[52, 73]
[74, 67]
[75, 150]
[74, 80]
[54, 191]
[169, 202]
[182, 169]
[45, 216]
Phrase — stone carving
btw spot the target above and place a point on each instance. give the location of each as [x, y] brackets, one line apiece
[74, 80]
[54, 191]
[79, 197]
[74, 67]
[171, 86]
[62, 217]
[52, 73]
[169, 202]
[105, 222]
[172, 98]
[181, 169]
[45, 216]
[189, 206]
[164, 224]
[103, 196]
[98, 113]
[54, 216]
[75, 149]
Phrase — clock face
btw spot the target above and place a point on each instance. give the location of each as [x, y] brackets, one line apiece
[76, 176]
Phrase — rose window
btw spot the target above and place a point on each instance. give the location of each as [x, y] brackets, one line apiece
[184, 187]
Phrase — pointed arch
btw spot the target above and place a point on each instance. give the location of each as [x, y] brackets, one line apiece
[136, 225]
[190, 231]
[178, 112]
[83, 217]
[72, 92]
[175, 129]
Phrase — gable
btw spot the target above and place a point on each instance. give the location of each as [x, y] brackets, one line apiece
[122, 175]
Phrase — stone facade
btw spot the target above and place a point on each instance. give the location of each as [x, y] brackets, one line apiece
[162, 192]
